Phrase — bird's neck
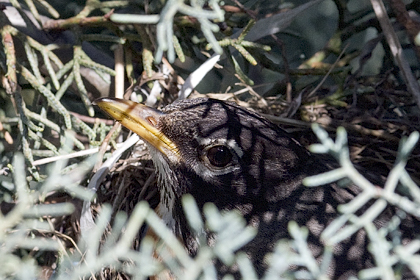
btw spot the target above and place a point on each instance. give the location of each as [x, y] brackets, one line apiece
[166, 182]
[169, 208]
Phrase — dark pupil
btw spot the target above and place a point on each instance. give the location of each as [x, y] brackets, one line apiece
[219, 156]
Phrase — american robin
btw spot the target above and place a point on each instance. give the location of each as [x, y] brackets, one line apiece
[222, 153]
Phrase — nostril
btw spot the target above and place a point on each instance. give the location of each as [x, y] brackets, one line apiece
[152, 120]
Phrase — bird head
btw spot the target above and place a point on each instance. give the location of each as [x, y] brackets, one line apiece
[216, 151]
[222, 153]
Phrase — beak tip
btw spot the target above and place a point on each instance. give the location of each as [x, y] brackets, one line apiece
[105, 102]
[101, 100]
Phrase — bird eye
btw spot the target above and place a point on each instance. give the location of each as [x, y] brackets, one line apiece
[219, 156]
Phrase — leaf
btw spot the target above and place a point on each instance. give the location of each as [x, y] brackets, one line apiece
[276, 23]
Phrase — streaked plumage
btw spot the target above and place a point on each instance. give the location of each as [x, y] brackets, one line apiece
[222, 153]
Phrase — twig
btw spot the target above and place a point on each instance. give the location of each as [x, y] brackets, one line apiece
[86, 220]
[76, 21]
[396, 49]
[328, 73]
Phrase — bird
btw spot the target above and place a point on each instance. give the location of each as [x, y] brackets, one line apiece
[223, 153]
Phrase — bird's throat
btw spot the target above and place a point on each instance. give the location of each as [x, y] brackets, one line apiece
[167, 185]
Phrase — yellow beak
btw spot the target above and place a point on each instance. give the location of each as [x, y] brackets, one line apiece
[140, 119]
